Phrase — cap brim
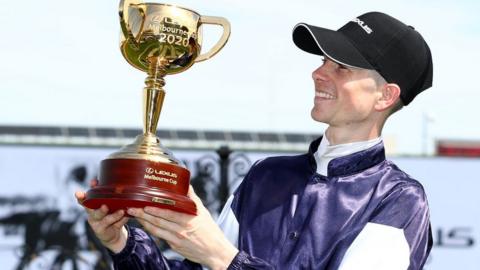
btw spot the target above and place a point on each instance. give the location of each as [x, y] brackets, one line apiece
[332, 44]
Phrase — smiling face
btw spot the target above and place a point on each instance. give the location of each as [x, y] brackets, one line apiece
[344, 96]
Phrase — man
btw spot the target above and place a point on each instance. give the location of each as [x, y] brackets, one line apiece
[339, 206]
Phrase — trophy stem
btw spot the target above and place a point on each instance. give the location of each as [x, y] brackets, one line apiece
[153, 95]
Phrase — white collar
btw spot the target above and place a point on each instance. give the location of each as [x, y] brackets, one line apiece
[327, 152]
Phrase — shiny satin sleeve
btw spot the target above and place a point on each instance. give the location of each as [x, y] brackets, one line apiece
[245, 261]
[406, 208]
[228, 222]
[397, 237]
[141, 252]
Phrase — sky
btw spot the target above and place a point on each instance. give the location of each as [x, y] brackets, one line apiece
[61, 66]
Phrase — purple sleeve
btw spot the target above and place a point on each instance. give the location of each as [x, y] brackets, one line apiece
[244, 261]
[141, 252]
[407, 208]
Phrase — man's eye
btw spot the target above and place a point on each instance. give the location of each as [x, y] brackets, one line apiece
[342, 66]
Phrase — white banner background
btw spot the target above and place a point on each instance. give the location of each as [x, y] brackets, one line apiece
[451, 184]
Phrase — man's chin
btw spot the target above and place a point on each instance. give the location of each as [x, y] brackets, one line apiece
[317, 116]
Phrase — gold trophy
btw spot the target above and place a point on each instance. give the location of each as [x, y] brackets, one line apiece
[159, 39]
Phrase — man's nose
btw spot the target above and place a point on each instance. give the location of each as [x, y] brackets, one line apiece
[319, 74]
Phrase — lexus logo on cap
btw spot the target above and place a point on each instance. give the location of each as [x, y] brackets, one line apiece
[363, 25]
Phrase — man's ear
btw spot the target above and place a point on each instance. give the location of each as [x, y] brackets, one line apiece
[390, 95]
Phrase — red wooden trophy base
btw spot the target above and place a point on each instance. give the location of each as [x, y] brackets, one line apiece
[136, 183]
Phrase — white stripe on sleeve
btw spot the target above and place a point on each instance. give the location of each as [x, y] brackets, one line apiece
[377, 247]
[228, 222]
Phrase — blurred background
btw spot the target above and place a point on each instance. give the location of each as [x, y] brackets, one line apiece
[68, 99]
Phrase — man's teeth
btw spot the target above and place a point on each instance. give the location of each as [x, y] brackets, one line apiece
[324, 95]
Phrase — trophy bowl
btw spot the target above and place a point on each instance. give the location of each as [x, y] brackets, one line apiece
[158, 39]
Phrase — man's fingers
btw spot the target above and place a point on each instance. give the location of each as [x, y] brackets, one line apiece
[155, 219]
[158, 232]
[80, 195]
[112, 218]
[100, 225]
[175, 217]
[103, 209]
[89, 211]
[98, 214]
[119, 224]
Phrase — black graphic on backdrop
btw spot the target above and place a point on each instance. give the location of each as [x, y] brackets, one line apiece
[56, 235]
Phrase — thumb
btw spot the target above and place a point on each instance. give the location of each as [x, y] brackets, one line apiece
[80, 195]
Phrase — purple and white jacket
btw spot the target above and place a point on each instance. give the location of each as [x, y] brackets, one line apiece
[365, 214]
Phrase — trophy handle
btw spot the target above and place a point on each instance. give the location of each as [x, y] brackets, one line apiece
[124, 17]
[226, 34]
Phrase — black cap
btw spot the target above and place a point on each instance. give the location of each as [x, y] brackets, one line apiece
[374, 41]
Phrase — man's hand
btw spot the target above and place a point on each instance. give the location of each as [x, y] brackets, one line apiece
[197, 238]
[109, 229]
